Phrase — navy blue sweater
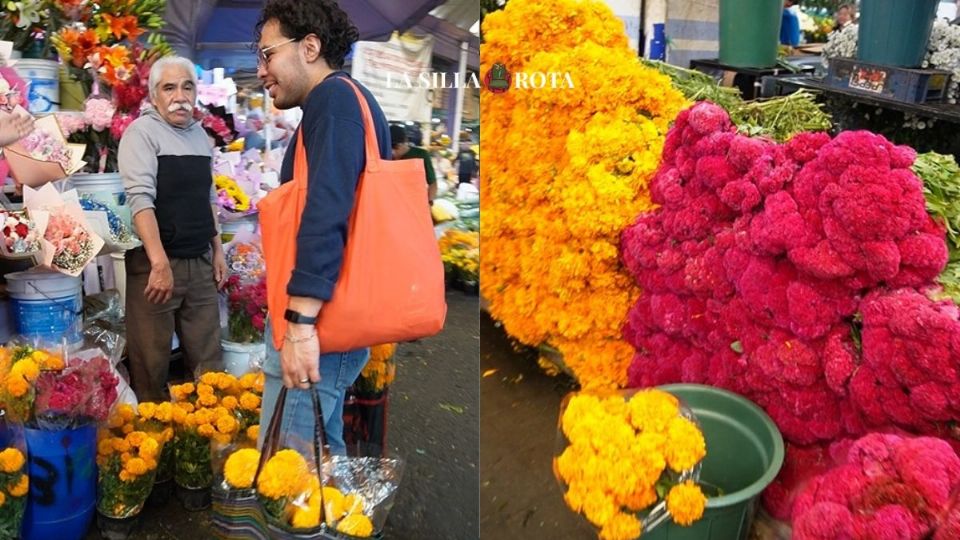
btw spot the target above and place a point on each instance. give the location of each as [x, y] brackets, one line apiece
[333, 135]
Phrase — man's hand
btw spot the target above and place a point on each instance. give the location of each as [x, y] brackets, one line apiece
[219, 268]
[160, 283]
[14, 127]
[300, 356]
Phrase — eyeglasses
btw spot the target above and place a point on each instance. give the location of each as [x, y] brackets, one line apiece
[263, 59]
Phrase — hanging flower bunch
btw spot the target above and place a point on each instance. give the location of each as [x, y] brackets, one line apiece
[80, 394]
[246, 309]
[230, 196]
[578, 162]
[291, 493]
[460, 251]
[218, 407]
[101, 48]
[621, 451]
[20, 367]
[380, 370]
[883, 483]
[14, 486]
[127, 462]
[795, 275]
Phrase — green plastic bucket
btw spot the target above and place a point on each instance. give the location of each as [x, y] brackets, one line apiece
[744, 455]
[895, 32]
[750, 32]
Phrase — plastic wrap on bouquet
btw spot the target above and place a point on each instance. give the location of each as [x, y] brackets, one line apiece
[13, 476]
[127, 459]
[629, 460]
[69, 242]
[44, 155]
[22, 235]
[109, 225]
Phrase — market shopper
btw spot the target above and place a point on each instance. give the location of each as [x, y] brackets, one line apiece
[790, 23]
[301, 49]
[165, 160]
[402, 149]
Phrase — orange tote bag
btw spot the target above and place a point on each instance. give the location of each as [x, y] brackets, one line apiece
[391, 285]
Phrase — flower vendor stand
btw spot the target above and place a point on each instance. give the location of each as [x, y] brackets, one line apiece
[894, 32]
[744, 454]
[63, 483]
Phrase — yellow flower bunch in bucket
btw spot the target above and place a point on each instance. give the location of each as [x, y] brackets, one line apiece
[20, 367]
[14, 486]
[380, 370]
[565, 171]
[127, 462]
[630, 460]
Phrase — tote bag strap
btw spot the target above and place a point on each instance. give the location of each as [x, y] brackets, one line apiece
[369, 129]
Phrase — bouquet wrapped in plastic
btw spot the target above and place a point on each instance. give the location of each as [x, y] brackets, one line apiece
[127, 463]
[21, 235]
[44, 155]
[82, 393]
[629, 460]
[69, 242]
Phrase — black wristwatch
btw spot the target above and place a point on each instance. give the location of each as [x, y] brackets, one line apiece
[297, 317]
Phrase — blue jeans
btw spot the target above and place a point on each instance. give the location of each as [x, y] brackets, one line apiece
[337, 373]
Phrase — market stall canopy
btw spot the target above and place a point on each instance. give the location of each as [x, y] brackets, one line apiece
[228, 23]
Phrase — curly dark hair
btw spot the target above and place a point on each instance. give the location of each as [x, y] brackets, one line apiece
[324, 18]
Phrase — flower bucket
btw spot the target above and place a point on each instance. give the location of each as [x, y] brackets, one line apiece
[750, 32]
[193, 499]
[894, 32]
[44, 77]
[46, 305]
[63, 483]
[242, 358]
[104, 187]
[744, 454]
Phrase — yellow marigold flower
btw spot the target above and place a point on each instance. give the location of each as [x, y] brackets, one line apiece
[149, 448]
[21, 487]
[205, 430]
[285, 474]
[353, 503]
[382, 353]
[185, 406]
[599, 508]
[333, 508]
[640, 499]
[210, 378]
[686, 502]
[52, 362]
[126, 477]
[240, 468]
[226, 382]
[11, 460]
[164, 412]
[685, 444]
[17, 386]
[121, 445]
[127, 429]
[356, 525]
[190, 420]
[125, 457]
[652, 410]
[136, 466]
[178, 415]
[253, 432]
[3, 498]
[207, 400]
[105, 447]
[258, 383]
[249, 401]
[136, 438]
[26, 368]
[307, 517]
[621, 527]
[230, 403]
[126, 412]
[227, 424]
[204, 389]
[248, 381]
[147, 410]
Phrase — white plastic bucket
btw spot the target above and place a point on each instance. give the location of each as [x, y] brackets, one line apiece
[241, 358]
[43, 95]
[230, 228]
[104, 187]
[45, 305]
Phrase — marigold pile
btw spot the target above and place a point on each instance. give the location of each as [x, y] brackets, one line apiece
[14, 486]
[619, 450]
[577, 162]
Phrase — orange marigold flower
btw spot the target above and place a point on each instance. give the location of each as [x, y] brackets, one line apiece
[686, 502]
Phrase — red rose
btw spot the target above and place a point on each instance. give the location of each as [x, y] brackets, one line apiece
[22, 230]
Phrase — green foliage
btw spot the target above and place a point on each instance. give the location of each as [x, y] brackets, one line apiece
[192, 469]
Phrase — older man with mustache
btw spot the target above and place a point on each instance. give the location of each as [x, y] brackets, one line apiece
[172, 281]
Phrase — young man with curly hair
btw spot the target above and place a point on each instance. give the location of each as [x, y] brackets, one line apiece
[301, 50]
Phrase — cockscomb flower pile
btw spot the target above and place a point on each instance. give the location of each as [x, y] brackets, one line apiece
[795, 275]
[884, 483]
[578, 161]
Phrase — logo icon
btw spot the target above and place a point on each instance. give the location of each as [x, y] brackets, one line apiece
[497, 79]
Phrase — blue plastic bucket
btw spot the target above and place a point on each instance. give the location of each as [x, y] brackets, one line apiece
[47, 306]
[63, 483]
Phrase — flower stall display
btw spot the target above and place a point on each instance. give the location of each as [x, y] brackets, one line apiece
[577, 161]
[460, 252]
[882, 483]
[43, 155]
[127, 463]
[14, 486]
[630, 461]
[69, 242]
[795, 275]
[101, 47]
[21, 235]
